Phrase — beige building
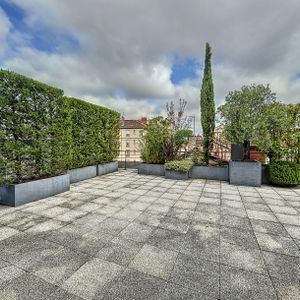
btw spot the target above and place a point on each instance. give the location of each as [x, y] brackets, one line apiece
[131, 133]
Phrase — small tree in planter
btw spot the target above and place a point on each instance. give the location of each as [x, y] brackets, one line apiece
[243, 119]
[242, 115]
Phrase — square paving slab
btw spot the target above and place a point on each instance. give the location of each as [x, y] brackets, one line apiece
[128, 236]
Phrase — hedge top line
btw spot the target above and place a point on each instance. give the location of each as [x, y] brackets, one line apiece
[45, 86]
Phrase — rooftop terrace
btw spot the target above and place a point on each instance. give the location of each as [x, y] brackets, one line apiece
[128, 236]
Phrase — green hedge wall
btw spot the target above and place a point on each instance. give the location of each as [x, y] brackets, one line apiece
[34, 129]
[43, 133]
[95, 133]
[284, 173]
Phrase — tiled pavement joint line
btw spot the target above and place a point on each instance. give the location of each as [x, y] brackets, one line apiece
[261, 253]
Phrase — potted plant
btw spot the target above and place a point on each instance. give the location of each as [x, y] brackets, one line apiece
[178, 169]
[243, 120]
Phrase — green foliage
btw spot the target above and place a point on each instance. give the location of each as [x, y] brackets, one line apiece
[280, 135]
[198, 157]
[182, 166]
[34, 129]
[284, 173]
[43, 134]
[207, 105]
[161, 143]
[155, 136]
[95, 133]
[242, 115]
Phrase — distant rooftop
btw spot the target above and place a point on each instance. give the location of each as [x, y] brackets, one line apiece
[133, 124]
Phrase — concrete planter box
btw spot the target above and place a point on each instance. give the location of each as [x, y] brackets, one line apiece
[22, 193]
[247, 173]
[170, 174]
[83, 173]
[107, 168]
[151, 169]
[208, 172]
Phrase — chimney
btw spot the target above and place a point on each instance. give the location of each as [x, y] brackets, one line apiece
[122, 120]
[144, 120]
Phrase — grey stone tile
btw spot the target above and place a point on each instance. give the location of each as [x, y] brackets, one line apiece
[6, 232]
[132, 285]
[282, 266]
[53, 211]
[119, 251]
[233, 212]
[198, 245]
[210, 200]
[239, 284]
[185, 205]
[278, 244]
[171, 291]
[261, 215]
[268, 227]
[243, 258]
[112, 225]
[289, 219]
[199, 275]
[173, 223]
[294, 231]
[238, 237]
[149, 219]
[205, 231]
[284, 210]
[58, 267]
[92, 278]
[137, 232]
[287, 289]
[29, 287]
[233, 204]
[9, 272]
[234, 221]
[71, 215]
[127, 214]
[154, 261]
[204, 217]
[212, 209]
[167, 239]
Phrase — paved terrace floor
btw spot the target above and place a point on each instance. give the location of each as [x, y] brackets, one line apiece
[128, 236]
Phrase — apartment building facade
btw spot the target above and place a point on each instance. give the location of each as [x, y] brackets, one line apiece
[131, 134]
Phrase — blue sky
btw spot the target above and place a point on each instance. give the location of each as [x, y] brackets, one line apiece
[135, 56]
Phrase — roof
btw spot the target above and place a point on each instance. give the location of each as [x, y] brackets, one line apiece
[132, 124]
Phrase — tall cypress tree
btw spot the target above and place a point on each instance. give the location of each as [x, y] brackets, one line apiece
[207, 105]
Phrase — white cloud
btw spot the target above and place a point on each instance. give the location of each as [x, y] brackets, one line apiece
[127, 47]
[5, 27]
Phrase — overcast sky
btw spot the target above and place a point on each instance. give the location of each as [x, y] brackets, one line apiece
[135, 55]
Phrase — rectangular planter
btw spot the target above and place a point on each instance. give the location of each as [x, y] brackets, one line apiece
[151, 169]
[247, 173]
[83, 173]
[170, 174]
[22, 193]
[208, 172]
[107, 168]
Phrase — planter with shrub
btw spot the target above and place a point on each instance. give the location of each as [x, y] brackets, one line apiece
[178, 169]
[43, 134]
[284, 173]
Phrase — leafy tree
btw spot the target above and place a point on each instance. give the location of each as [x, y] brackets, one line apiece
[242, 114]
[280, 135]
[165, 137]
[207, 105]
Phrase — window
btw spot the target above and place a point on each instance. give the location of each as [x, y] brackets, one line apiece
[127, 133]
[133, 131]
[141, 133]
[127, 144]
[127, 153]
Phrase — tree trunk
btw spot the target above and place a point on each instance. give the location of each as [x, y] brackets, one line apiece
[246, 146]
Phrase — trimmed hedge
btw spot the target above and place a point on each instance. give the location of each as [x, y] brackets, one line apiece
[34, 129]
[182, 166]
[43, 133]
[284, 173]
[95, 133]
